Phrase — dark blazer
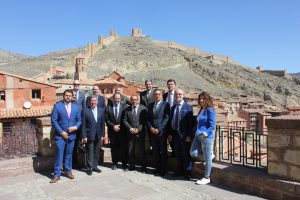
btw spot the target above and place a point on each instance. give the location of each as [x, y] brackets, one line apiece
[160, 118]
[144, 100]
[186, 120]
[100, 104]
[110, 119]
[139, 121]
[91, 129]
[61, 121]
[81, 99]
[124, 100]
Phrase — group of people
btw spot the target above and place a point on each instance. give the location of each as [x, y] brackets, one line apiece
[143, 122]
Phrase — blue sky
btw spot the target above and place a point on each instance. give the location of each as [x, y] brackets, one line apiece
[255, 33]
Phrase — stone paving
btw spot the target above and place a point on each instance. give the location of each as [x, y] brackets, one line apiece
[112, 184]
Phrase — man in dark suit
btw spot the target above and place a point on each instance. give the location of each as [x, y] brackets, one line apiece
[114, 114]
[93, 129]
[146, 97]
[181, 126]
[124, 99]
[66, 119]
[158, 116]
[100, 99]
[169, 97]
[135, 123]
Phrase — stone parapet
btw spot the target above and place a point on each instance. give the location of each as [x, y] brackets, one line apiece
[284, 147]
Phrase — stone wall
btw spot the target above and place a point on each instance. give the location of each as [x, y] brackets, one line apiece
[284, 147]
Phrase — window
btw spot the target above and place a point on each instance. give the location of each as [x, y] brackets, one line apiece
[36, 94]
[2, 95]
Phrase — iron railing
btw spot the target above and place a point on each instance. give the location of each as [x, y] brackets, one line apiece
[242, 147]
[18, 141]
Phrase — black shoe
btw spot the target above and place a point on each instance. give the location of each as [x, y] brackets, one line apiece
[125, 168]
[89, 172]
[114, 167]
[175, 175]
[162, 174]
[187, 177]
[144, 170]
[97, 170]
[157, 171]
[131, 168]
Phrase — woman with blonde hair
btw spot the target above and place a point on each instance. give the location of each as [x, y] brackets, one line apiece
[205, 134]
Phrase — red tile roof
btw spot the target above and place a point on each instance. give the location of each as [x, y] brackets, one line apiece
[20, 112]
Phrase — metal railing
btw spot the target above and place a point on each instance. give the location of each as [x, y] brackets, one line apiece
[242, 147]
[18, 141]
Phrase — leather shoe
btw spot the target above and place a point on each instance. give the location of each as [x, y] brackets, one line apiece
[89, 173]
[55, 179]
[70, 175]
[144, 170]
[131, 168]
[114, 167]
[97, 170]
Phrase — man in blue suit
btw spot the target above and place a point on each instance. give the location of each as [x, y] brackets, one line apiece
[158, 116]
[100, 99]
[93, 129]
[181, 126]
[66, 119]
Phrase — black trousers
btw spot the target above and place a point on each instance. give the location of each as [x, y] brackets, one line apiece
[136, 142]
[160, 152]
[92, 154]
[119, 148]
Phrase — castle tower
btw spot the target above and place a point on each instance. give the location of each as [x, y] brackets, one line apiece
[80, 73]
[136, 32]
[113, 33]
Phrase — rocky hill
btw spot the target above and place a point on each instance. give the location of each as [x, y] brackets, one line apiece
[9, 57]
[139, 58]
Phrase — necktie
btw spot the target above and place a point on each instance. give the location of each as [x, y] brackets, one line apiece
[95, 114]
[116, 111]
[68, 108]
[176, 125]
[134, 111]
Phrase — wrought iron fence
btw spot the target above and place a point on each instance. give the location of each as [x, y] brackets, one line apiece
[18, 141]
[241, 146]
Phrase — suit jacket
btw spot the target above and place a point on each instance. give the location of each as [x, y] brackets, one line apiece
[124, 100]
[185, 120]
[91, 129]
[138, 121]
[110, 118]
[61, 121]
[160, 118]
[100, 104]
[206, 122]
[165, 96]
[81, 99]
[144, 100]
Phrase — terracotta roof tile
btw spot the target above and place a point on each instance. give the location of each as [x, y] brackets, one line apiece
[20, 112]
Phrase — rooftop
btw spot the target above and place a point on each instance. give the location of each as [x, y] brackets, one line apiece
[20, 112]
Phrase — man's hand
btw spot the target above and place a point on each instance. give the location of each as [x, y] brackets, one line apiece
[84, 140]
[188, 139]
[132, 130]
[154, 131]
[72, 129]
[64, 135]
[117, 128]
[202, 136]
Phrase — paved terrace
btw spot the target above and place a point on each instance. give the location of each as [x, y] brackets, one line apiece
[109, 184]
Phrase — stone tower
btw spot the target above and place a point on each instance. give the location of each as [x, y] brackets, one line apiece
[136, 32]
[80, 73]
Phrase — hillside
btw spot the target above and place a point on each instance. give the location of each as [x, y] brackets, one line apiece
[9, 57]
[139, 58]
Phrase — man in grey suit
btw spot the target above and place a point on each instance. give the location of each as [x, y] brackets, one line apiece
[146, 97]
[93, 129]
[135, 122]
[158, 116]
